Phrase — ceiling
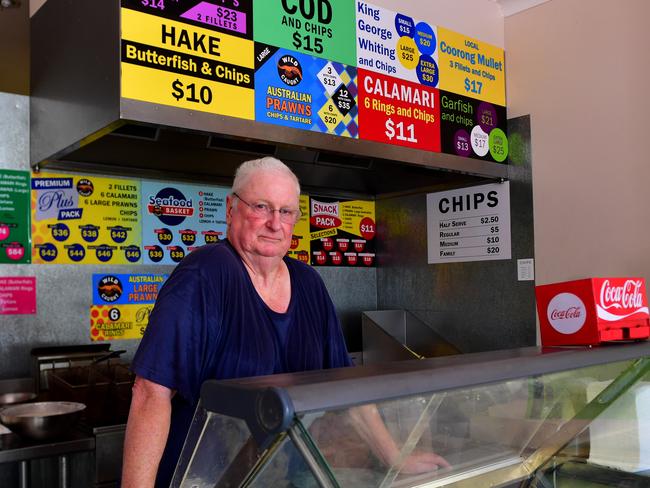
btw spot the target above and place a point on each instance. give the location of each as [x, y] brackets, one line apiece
[511, 7]
[14, 37]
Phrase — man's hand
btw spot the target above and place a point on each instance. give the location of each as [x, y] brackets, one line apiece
[423, 462]
[370, 426]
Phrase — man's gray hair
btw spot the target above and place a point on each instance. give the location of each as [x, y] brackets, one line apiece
[249, 168]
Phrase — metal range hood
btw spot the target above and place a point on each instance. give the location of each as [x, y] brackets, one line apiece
[79, 121]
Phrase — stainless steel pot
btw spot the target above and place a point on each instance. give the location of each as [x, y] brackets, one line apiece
[41, 420]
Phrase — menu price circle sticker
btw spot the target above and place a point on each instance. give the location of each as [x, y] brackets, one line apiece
[469, 224]
[498, 145]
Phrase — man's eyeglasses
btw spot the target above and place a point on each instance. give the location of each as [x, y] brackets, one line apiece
[264, 211]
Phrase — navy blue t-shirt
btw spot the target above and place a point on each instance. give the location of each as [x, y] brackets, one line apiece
[209, 322]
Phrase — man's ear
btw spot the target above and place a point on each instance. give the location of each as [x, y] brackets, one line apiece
[229, 204]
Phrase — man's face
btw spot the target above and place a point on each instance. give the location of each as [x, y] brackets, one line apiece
[265, 235]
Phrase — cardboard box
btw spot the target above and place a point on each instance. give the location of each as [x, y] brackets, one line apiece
[592, 311]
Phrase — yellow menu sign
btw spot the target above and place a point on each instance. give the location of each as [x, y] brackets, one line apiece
[178, 64]
[471, 67]
[85, 220]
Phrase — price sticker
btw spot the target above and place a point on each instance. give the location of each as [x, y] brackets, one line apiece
[498, 142]
[367, 228]
[188, 237]
[76, 252]
[104, 253]
[191, 92]
[329, 78]
[155, 253]
[330, 115]
[47, 252]
[60, 232]
[119, 234]
[211, 237]
[15, 251]
[154, 4]
[89, 233]
[132, 254]
[176, 253]
[400, 132]
[462, 145]
[479, 141]
[165, 236]
[487, 117]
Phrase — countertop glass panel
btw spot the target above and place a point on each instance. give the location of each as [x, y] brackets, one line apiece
[588, 425]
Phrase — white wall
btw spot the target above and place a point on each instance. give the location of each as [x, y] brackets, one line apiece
[480, 19]
[581, 69]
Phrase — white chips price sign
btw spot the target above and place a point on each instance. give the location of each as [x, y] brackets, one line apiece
[469, 224]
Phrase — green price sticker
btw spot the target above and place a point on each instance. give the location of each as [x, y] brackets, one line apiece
[498, 145]
[322, 28]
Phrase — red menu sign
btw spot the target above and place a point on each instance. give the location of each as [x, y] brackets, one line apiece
[17, 295]
[398, 112]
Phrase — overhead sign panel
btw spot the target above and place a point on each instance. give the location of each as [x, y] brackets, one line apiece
[471, 67]
[322, 28]
[396, 45]
[186, 65]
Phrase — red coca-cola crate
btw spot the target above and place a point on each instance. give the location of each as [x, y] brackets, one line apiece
[593, 310]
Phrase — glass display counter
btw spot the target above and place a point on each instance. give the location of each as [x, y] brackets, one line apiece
[523, 417]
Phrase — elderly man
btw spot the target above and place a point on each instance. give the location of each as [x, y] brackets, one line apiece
[234, 309]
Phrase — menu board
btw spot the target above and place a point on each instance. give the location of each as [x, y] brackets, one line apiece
[122, 304]
[190, 54]
[322, 28]
[85, 220]
[473, 128]
[17, 295]
[300, 242]
[15, 244]
[342, 232]
[469, 224]
[177, 218]
[398, 112]
[305, 92]
[396, 45]
[342, 67]
[471, 67]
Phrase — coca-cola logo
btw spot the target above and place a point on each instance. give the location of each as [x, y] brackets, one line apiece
[566, 313]
[626, 296]
[620, 300]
